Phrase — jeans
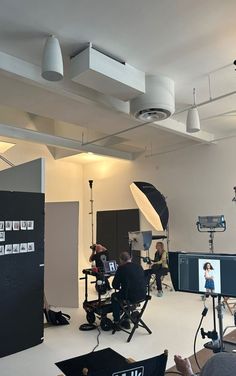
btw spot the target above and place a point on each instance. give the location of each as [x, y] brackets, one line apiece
[116, 310]
[159, 273]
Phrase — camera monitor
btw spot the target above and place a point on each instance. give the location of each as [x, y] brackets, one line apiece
[203, 272]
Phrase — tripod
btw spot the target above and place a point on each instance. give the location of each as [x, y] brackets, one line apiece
[217, 343]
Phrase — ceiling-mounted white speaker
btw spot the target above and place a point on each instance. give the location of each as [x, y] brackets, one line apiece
[193, 121]
[52, 62]
[158, 102]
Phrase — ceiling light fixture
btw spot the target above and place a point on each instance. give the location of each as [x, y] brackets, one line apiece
[52, 62]
[193, 121]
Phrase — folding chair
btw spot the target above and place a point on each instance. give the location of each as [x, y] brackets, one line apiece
[107, 362]
[133, 312]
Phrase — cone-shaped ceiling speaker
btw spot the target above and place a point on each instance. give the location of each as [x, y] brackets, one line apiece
[151, 203]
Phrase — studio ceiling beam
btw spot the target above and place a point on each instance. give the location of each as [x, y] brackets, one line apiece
[30, 73]
[174, 126]
[66, 143]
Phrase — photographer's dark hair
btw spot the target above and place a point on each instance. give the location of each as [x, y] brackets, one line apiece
[125, 256]
[205, 266]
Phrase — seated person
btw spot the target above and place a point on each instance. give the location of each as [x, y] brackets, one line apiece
[220, 364]
[99, 255]
[131, 283]
[160, 266]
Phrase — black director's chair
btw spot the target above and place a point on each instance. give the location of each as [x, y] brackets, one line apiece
[107, 362]
[133, 312]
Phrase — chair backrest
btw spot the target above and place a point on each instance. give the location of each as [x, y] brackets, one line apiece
[107, 362]
[155, 366]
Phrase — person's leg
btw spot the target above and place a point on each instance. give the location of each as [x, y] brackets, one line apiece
[159, 274]
[158, 279]
[115, 306]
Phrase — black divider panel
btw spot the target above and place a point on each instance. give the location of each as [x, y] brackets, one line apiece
[21, 277]
[112, 230]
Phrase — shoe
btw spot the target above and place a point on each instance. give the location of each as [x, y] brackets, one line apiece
[160, 294]
[116, 327]
[125, 324]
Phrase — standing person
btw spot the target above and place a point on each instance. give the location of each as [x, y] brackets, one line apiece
[99, 255]
[160, 266]
[209, 277]
[131, 283]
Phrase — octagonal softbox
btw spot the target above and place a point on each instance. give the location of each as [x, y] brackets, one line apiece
[151, 203]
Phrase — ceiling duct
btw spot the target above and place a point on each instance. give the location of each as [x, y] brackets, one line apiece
[102, 73]
[158, 103]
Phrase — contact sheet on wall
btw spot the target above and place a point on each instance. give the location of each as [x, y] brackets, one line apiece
[6, 228]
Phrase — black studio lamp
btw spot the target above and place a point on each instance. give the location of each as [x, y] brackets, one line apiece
[151, 203]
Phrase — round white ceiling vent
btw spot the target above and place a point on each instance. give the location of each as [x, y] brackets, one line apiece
[157, 103]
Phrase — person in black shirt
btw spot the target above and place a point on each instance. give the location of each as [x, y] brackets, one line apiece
[130, 281]
[99, 255]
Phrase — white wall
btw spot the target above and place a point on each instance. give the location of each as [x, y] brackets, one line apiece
[63, 182]
[197, 181]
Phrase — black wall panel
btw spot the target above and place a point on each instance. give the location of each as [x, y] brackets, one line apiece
[21, 277]
[113, 227]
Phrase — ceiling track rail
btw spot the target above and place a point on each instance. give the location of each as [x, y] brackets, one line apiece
[206, 102]
[115, 134]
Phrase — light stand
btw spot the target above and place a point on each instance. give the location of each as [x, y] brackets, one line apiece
[211, 224]
[91, 207]
[217, 344]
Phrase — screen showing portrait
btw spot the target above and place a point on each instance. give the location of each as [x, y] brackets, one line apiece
[203, 272]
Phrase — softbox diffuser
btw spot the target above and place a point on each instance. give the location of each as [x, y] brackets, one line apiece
[151, 203]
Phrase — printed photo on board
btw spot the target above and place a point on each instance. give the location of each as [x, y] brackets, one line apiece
[8, 249]
[23, 247]
[30, 247]
[16, 225]
[2, 236]
[30, 225]
[23, 225]
[8, 225]
[16, 248]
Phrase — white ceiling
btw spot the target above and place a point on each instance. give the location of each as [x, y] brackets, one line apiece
[190, 41]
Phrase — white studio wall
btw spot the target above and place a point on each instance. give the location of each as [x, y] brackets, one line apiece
[63, 183]
[196, 181]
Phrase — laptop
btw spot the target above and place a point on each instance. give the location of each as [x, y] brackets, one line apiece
[110, 267]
